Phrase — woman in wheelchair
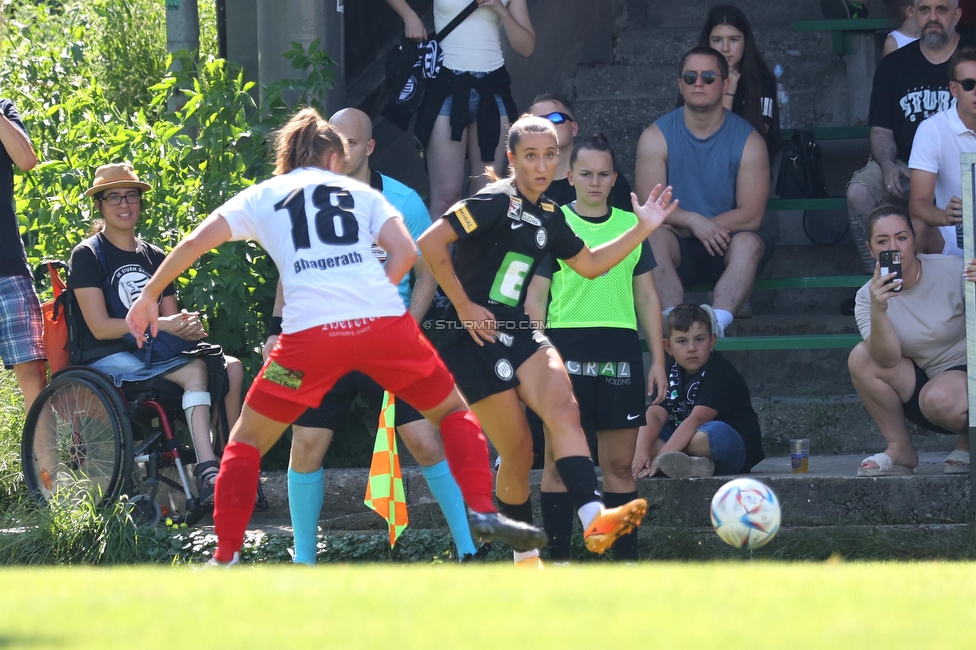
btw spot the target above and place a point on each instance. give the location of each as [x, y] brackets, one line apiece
[106, 273]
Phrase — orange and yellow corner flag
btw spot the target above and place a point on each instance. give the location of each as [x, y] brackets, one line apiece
[384, 490]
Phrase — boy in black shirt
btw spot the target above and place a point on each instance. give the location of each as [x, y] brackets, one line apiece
[705, 426]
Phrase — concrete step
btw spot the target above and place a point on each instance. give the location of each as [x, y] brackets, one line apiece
[830, 495]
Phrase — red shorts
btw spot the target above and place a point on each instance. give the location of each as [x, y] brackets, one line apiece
[305, 365]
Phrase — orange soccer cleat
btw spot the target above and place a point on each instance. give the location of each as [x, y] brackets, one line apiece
[613, 523]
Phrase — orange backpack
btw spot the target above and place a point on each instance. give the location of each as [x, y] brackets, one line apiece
[55, 325]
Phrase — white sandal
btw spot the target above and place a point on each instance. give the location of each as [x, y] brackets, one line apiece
[957, 462]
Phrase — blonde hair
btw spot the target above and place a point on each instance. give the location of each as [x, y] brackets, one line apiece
[305, 140]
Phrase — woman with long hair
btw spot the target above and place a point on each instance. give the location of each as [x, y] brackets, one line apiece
[466, 110]
[752, 86]
[500, 357]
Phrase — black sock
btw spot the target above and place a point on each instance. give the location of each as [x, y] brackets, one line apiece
[625, 548]
[579, 478]
[557, 520]
[518, 512]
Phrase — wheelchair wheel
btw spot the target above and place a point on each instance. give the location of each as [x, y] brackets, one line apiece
[77, 441]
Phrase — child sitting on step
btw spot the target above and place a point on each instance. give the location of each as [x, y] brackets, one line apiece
[706, 425]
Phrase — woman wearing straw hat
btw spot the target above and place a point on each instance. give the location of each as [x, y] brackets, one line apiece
[107, 272]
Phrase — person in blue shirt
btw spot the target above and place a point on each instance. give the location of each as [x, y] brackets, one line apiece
[312, 432]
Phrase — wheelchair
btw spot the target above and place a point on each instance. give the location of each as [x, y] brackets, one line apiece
[86, 438]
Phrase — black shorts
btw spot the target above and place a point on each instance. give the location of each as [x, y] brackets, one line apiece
[485, 370]
[913, 412]
[611, 394]
[335, 404]
[698, 266]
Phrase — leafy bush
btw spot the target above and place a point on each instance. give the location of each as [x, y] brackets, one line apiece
[92, 83]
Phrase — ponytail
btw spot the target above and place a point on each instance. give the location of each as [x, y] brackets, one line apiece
[305, 140]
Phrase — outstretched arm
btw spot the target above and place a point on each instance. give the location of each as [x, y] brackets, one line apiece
[591, 263]
[144, 312]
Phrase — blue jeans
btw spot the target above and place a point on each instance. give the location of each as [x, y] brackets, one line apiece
[472, 102]
[725, 446]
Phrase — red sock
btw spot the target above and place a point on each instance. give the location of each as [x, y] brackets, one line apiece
[236, 489]
[467, 456]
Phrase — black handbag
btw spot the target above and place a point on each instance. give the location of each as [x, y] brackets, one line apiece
[801, 172]
[410, 65]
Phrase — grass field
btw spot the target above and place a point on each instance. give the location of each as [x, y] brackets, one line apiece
[711, 605]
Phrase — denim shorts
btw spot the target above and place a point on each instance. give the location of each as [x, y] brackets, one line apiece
[21, 323]
[472, 101]
[125, 366]
[725, 446]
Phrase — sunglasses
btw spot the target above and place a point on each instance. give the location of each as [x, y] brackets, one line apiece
[967, 84]
[708, 77]
[558, 118]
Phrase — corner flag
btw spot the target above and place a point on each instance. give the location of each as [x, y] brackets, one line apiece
[384, 490]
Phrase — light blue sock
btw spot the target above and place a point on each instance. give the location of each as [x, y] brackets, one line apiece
[445, 489]
[305, 505]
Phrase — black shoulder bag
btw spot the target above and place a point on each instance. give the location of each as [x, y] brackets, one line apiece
[410, 65]
[801, 172]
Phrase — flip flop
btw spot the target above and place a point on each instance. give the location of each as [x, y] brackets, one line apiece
[957, 462]
[885, 467]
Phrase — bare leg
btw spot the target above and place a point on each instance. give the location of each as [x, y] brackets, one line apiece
[545, 388]
[32, 378]
[741, 263]
[232, 401]
[944, 401]
[308, 448]
[504, 422]
[617, 448]
[445, 166]
[193, 378]
[479, 179]
[928, 239]
[883, 391]
[664, 245]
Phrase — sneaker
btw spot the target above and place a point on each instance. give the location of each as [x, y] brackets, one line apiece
[717, 329]
[677, 464]
[213, 562]
[488, 526]
[613, 523]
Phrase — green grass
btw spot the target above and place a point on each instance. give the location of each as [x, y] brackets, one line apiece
[656, 605]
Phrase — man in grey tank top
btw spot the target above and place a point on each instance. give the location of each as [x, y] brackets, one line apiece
[718, 168]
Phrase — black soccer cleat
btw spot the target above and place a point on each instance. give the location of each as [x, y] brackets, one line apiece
[490, 526]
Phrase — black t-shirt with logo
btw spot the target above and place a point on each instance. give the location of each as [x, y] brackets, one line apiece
[129, 272]
[907, 89]
[718, 386]
[502, 238]
[13, 260]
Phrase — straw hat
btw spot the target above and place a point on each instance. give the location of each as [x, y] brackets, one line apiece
[116, 175]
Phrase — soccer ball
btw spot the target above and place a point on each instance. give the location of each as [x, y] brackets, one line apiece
[745, 513]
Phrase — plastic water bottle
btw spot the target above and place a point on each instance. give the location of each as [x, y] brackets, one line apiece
[783, 98]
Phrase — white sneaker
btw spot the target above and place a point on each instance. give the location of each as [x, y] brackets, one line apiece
[213, 562]
[717, 329]
[676, 464]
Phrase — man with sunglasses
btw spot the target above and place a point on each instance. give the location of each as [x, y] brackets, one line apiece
[718, 168]
[910, 85]
[558, 110]
[936, 182]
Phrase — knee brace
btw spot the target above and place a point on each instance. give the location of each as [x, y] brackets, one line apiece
[191, 400]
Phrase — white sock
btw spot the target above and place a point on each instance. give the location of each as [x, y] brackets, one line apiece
[519, 556]
[588, 513]
[724, 319]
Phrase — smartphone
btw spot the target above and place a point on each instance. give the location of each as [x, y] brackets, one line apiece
[891, 263]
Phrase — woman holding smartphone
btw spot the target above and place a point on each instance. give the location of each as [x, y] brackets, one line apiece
[911, 365]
